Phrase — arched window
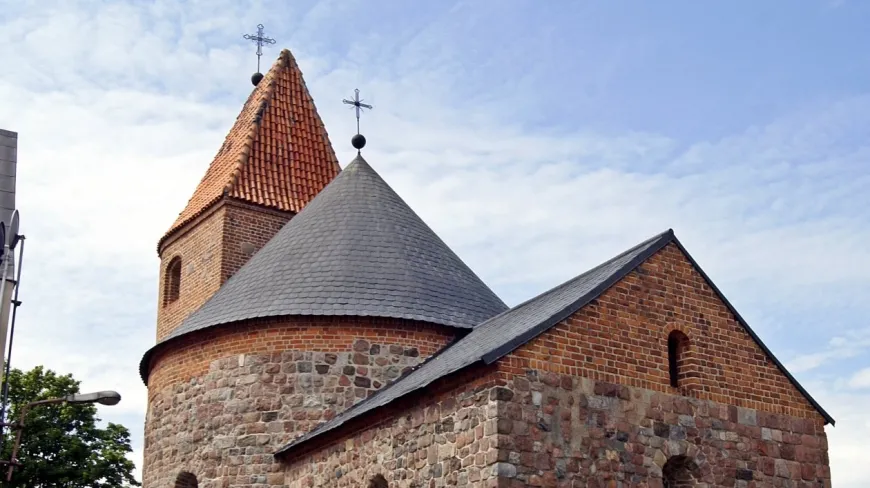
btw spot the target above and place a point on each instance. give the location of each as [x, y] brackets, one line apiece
[678, 345]
[172, 285]
[378, 481]
[186, 480]
[680, 472]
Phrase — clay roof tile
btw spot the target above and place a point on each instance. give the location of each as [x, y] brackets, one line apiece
[260, 160]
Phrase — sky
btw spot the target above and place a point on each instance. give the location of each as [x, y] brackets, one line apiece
[537, 141]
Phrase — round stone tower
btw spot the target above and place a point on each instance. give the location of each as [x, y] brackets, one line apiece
[274, 333]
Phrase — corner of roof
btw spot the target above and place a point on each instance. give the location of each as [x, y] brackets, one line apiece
[650, 246]
[828, 418]
[286, 55]
[285, 59]
[247, 145]
[358, 162]
[290, 59]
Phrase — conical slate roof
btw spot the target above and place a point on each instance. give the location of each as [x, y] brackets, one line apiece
[356, 249]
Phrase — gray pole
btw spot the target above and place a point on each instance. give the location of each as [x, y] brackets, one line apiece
[8, 170]
[6, 303]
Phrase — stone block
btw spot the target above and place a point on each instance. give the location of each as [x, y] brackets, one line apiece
[781, 468]
[661, 429]
[602, 402]
[504, 470]
[744, 474]
[746, 416]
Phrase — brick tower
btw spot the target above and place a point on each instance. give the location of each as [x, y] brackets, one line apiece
[275, 159]
[290, 291]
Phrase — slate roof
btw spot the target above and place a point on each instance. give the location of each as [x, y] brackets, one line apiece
[277, 153]
[357, 249]
[507, 331]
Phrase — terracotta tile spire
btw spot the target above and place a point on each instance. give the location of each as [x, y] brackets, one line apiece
[277, 154]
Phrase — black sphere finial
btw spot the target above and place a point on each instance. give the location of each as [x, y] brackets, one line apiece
[256, 78]
[358, 141]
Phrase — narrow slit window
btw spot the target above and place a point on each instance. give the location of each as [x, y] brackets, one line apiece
[677, 343]
[173, 281]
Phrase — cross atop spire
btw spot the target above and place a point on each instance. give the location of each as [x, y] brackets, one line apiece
[260, 39]
[358, 140]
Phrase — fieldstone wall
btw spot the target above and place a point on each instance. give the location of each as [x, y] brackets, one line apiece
[560, 430]
[224, 426]
[446, 438]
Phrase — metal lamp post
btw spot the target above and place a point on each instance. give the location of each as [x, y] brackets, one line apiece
[102, 397]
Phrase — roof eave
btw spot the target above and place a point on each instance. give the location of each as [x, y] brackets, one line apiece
[284, 451]
[755, 337]
[596, 292]
[145, 362]
[663, 240]
[666, 239]
[657, 243]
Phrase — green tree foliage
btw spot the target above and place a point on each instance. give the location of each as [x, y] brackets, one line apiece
[62, 445]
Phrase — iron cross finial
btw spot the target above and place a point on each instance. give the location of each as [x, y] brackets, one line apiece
[358, 106]
[260, 39]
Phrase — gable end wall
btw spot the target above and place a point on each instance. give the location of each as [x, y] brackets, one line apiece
[592, 399]
[621, 338]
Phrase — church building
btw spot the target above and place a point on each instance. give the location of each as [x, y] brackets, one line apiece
[313, 331]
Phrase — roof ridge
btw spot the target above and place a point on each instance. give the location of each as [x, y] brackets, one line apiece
[276, 154]
[647, 248]
[565, 284]
[638, 253]
[477, 346]
[357, 249]
[755, 337]
[291, 60]
[360, 175]
[256, 123]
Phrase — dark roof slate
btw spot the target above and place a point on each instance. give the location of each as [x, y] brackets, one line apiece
[356, 249]
[502, 333]
[507, 331]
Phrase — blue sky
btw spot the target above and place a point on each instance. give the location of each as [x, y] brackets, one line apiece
[536, 141]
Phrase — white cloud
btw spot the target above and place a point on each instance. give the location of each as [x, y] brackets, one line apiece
[851, 344]
[115, 132]
[861, 379]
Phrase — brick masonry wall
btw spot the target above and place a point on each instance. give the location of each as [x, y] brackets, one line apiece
[212, 248]
[444, 436]
[622, 338]
[565, 431]
[199, 246]
[223, 400]
[247, 229]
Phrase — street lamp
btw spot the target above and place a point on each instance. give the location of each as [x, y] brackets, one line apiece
[102, 397]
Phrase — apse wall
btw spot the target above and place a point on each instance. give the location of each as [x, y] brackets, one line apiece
[222, 400]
